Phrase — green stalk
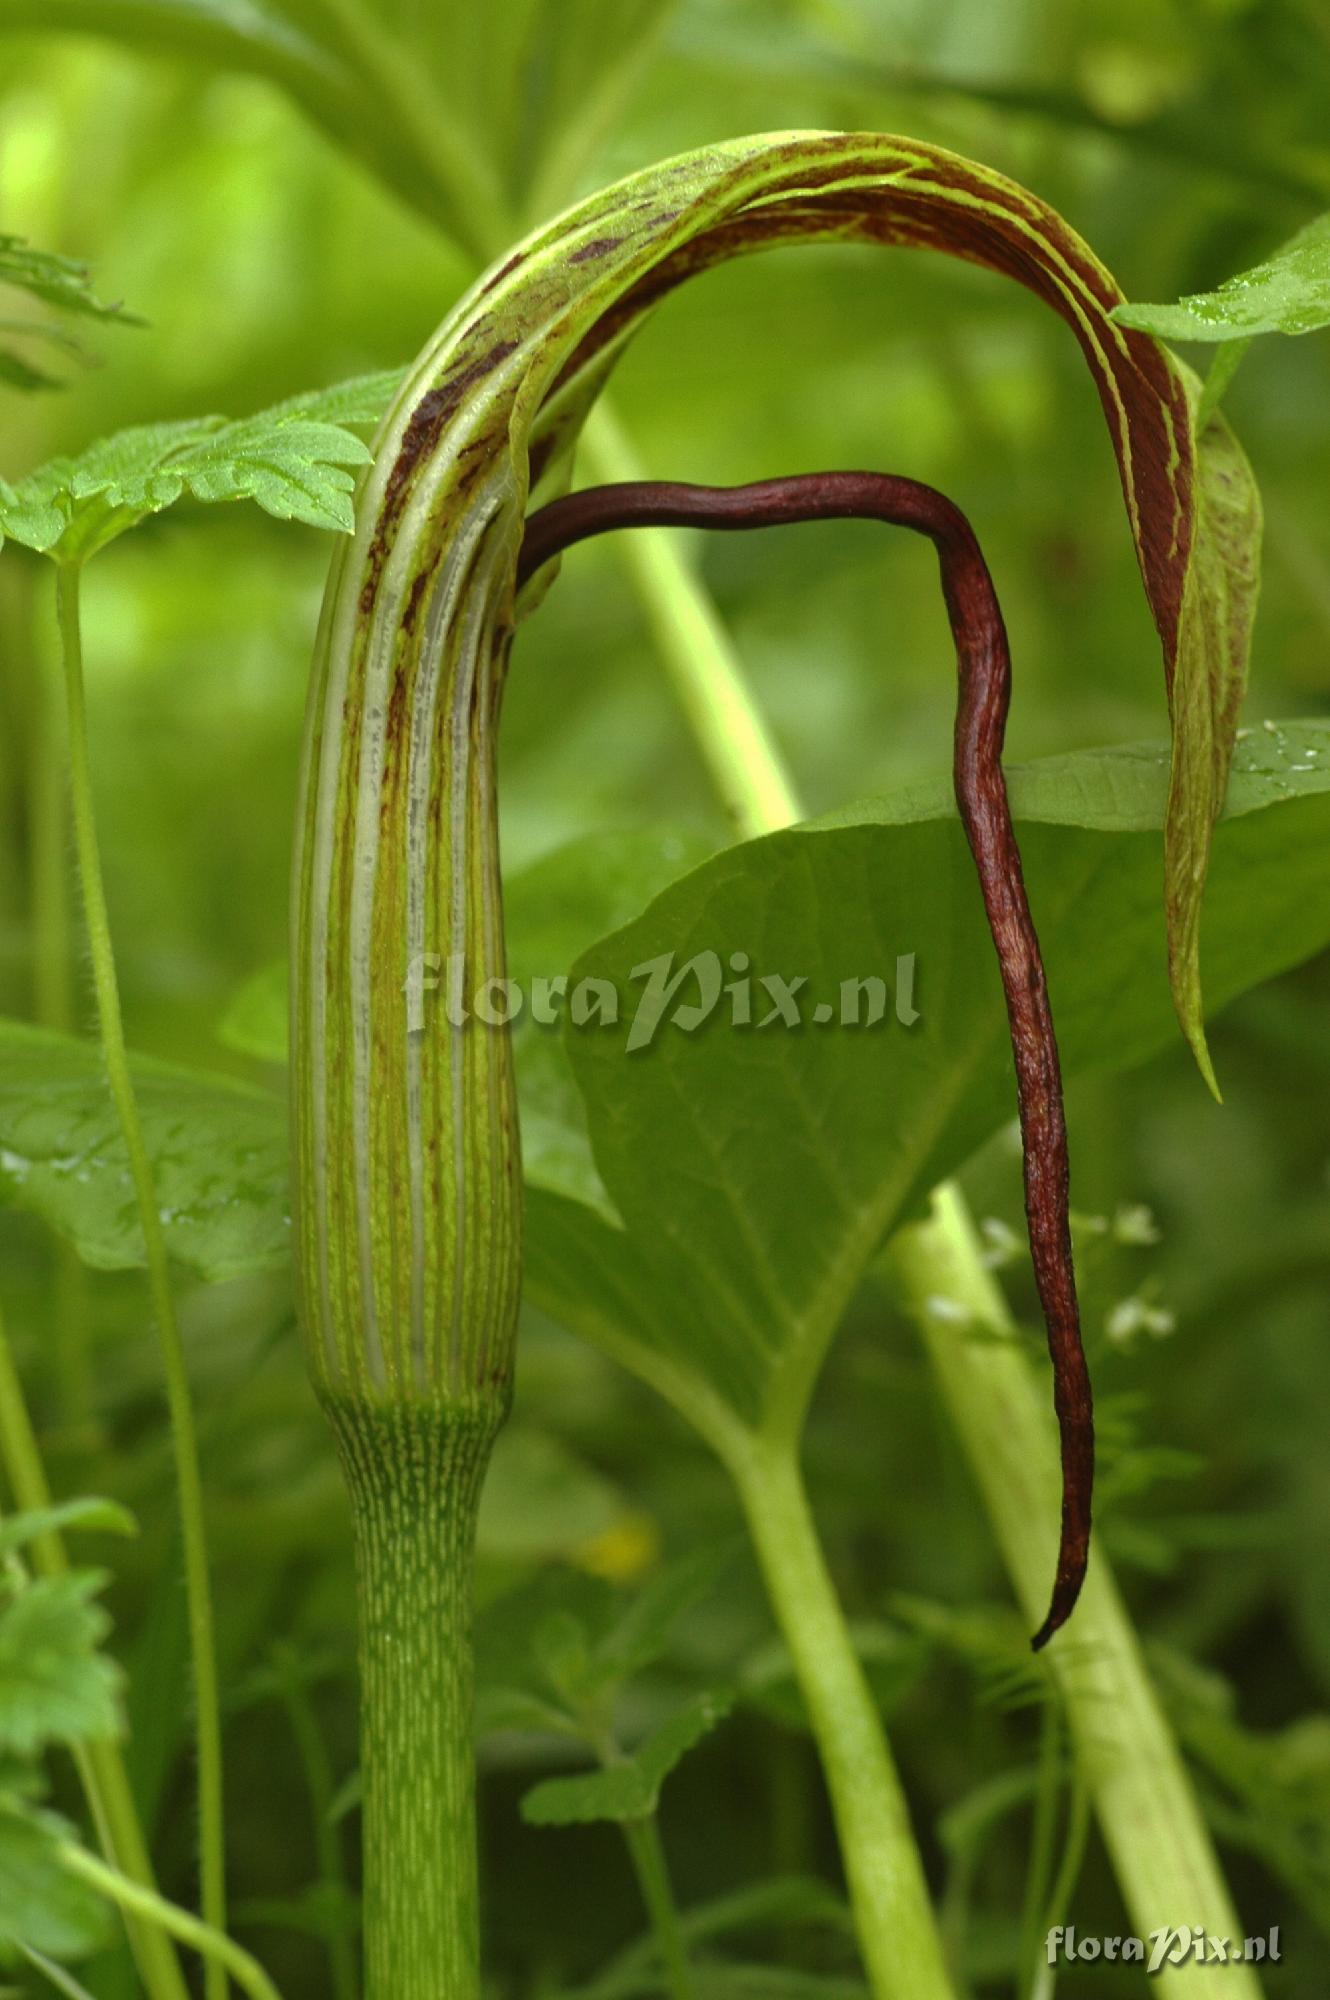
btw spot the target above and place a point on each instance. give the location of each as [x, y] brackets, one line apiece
[647, 1855]
[414, 1478]
[53, 1007]
[218, 1951]
[1147, 1811]
[888, 1892]
[100, 1766]
[208, 1733]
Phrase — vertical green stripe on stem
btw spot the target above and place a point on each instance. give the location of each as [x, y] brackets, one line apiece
[414, 1476]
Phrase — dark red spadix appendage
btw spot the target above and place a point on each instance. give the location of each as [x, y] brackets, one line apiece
[983, 663]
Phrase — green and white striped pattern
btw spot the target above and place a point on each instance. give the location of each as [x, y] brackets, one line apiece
[406, 1140]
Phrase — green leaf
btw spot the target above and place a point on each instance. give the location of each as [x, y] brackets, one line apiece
[55, 1686]
[218, 1148]
[292, 460]
[757, 1170]
[630, 1790]
[1288, 292]
[57, 282]
[41, 1905]
[105, 1517]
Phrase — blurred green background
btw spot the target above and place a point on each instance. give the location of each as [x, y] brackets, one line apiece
[1184, 141]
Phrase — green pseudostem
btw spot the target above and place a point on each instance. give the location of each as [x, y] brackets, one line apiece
[407, 1181]
[198, 1588]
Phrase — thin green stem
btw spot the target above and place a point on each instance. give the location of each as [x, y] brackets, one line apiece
[56, 1975]
[741, 756]
[208, 1732]
[653, 1876]
[213, 1946]
[1147, 1811]
[893, 1914]
[414, 1476]
[53, 1002]
[100, 1766]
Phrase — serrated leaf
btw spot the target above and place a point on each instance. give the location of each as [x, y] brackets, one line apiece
[293, 460]
[1288, 292]
[218, 1148]
[106, 1517]
[55, 1686]
[56, 281]
[41, 1904]
[630, 1790]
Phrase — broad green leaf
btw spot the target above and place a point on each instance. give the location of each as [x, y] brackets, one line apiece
[1288, 292]
[757, 1169]
[293, 460]
[41, 1905]
[106, 1517]
[630, 1790]
[55, 1686]
[218, 1148]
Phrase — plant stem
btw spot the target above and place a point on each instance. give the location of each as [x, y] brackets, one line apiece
[1161, 1850]
[653, 1876]
[414, 1475]
[893, 1913]
[100, 1766]
[208, 1733]
[53, 1003]
[214, 1946]
[745, 766]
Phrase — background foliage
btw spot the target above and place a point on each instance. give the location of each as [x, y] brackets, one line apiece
[1184, 141]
